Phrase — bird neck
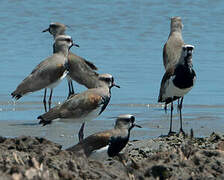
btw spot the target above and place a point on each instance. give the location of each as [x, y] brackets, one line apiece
[186, 62]
[61, 50]
[122, 130]
[176, 32]
[58, 33]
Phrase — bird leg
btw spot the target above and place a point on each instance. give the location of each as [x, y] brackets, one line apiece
[121, 159]
[165, 108]
[180, 109]
[81, 134]
[171, 118]
[70, 88]
[178, 104]
[49, 100]
[44, 100]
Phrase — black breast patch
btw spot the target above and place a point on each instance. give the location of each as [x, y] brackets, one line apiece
[116, 144]
[184, 77]
[105, 102]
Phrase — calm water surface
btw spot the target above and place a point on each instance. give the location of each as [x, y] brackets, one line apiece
[122, 38]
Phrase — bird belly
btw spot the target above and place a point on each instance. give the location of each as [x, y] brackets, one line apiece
[54, 84]
[85, 117]
[172, 91]
[100, 154]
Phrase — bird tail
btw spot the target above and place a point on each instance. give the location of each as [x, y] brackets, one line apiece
[160, 99]
[49, 116]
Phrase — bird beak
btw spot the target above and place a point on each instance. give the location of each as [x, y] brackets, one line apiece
[73, 44]
[48, 29]
[115, 85]
[136, 125]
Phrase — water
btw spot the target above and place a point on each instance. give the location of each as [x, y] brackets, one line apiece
[124, 38]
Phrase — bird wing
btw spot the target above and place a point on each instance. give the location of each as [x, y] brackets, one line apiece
[172, 50]
[86, 64]
[80, 105]
[92, 143]
[164, 55]
[90, 64]
[80, 70]
[44, 74]
[105, 101]
[163, 85]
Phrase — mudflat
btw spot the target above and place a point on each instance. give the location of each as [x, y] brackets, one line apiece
[174, 157]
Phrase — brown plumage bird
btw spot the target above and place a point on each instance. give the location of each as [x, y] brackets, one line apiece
[80, 70]
[84, 106]
[107, 143]
[48, 73]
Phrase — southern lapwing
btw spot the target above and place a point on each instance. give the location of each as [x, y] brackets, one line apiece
[80, 70]
[110, 141]
[102, 145]
[48, 73]
[84, 106]
[178, 81]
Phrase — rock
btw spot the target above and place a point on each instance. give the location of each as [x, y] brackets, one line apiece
[214, 137]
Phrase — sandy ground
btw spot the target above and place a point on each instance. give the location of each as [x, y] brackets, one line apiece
[174, 157]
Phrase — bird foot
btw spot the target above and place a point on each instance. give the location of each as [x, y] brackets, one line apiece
[81, 136]
[181, 133]
[171, 133]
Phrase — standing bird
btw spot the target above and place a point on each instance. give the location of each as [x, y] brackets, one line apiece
[178, 81]
[80, 70]
[84, 106]
[108, 143]
[49, 72]
[173, 47]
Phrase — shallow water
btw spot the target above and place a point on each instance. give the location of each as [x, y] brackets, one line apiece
[122, 38]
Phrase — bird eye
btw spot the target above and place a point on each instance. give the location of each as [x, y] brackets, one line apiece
[190, 48]
[68, 40]
[107, 79]
[53, 25]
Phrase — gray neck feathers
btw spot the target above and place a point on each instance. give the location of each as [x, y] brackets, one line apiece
[176, 27]
[62, 49]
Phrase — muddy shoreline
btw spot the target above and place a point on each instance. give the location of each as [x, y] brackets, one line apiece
[174, 157]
